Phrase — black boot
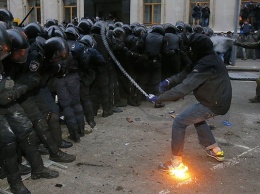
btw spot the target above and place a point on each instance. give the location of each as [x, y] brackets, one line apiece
[81, 129]
[92, 123]
[89, 112]
[107, 109]
[65, 144]
[44, 135]
[9, 163]
[73, 131]
[24, 170]
[30, 150]
[16, 184]
[107, 113]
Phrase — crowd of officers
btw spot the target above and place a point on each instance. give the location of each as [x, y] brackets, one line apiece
[73, 63]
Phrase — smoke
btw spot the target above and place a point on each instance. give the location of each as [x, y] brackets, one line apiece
[221, 43]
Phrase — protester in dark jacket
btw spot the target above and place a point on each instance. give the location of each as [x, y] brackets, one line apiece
[210, 83]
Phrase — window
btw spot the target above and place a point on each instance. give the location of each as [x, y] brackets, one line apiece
[3, 4]
[193, 3]
[243, 2]
[35, 15]
[249, 13]
[152, 12]
[70, 9]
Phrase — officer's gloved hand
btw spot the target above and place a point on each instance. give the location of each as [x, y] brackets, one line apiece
[19, 90]
[152, 98]
[163, 85]
[9, 83]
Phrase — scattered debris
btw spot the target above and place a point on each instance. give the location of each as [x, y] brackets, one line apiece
[88, 164]
[226, 123]
[59, 185]
[229, 133]
[129, 120]
[171, 112]
[119, 188]
[173, 116]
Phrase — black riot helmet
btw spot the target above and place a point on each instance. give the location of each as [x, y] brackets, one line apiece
[140, 31]
[96, 28]
[87, 40]
[20, 46]
[127, 28]
[118, 24]
[134, 25]
[181, 27]
[5, 44]
[50, 22]
[111, 26]
[158, 29]
[32, 30]
[198, 29]
[72, 33]
[85, 26]
[119, 33]
[188, 28]
[56, 31]
[170, 28]
[56, 48]
[7, 17]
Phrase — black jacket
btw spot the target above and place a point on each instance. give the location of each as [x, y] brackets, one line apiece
[209, 82]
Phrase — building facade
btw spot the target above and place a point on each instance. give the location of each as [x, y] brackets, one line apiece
[149, 12]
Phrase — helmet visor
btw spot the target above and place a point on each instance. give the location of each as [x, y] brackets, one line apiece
[19, 55]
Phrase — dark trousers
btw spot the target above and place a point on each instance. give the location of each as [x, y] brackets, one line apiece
[68, 92]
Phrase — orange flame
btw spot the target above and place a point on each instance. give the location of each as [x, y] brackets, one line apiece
[180, 173]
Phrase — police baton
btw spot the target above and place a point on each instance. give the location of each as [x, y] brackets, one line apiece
[20, 25]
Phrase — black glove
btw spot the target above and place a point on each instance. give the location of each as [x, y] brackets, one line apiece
[19, 90]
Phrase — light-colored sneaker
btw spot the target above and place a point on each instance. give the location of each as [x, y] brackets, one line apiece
[219, 156]
[168, 166]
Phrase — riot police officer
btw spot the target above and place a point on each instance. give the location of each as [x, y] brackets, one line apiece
[92, 68]
[27, 71]
[155, 44]
[16, 128]
[171, 63]
[68, 91]
[104, 92]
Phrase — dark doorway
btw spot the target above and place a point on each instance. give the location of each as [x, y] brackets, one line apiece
[115, 9]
